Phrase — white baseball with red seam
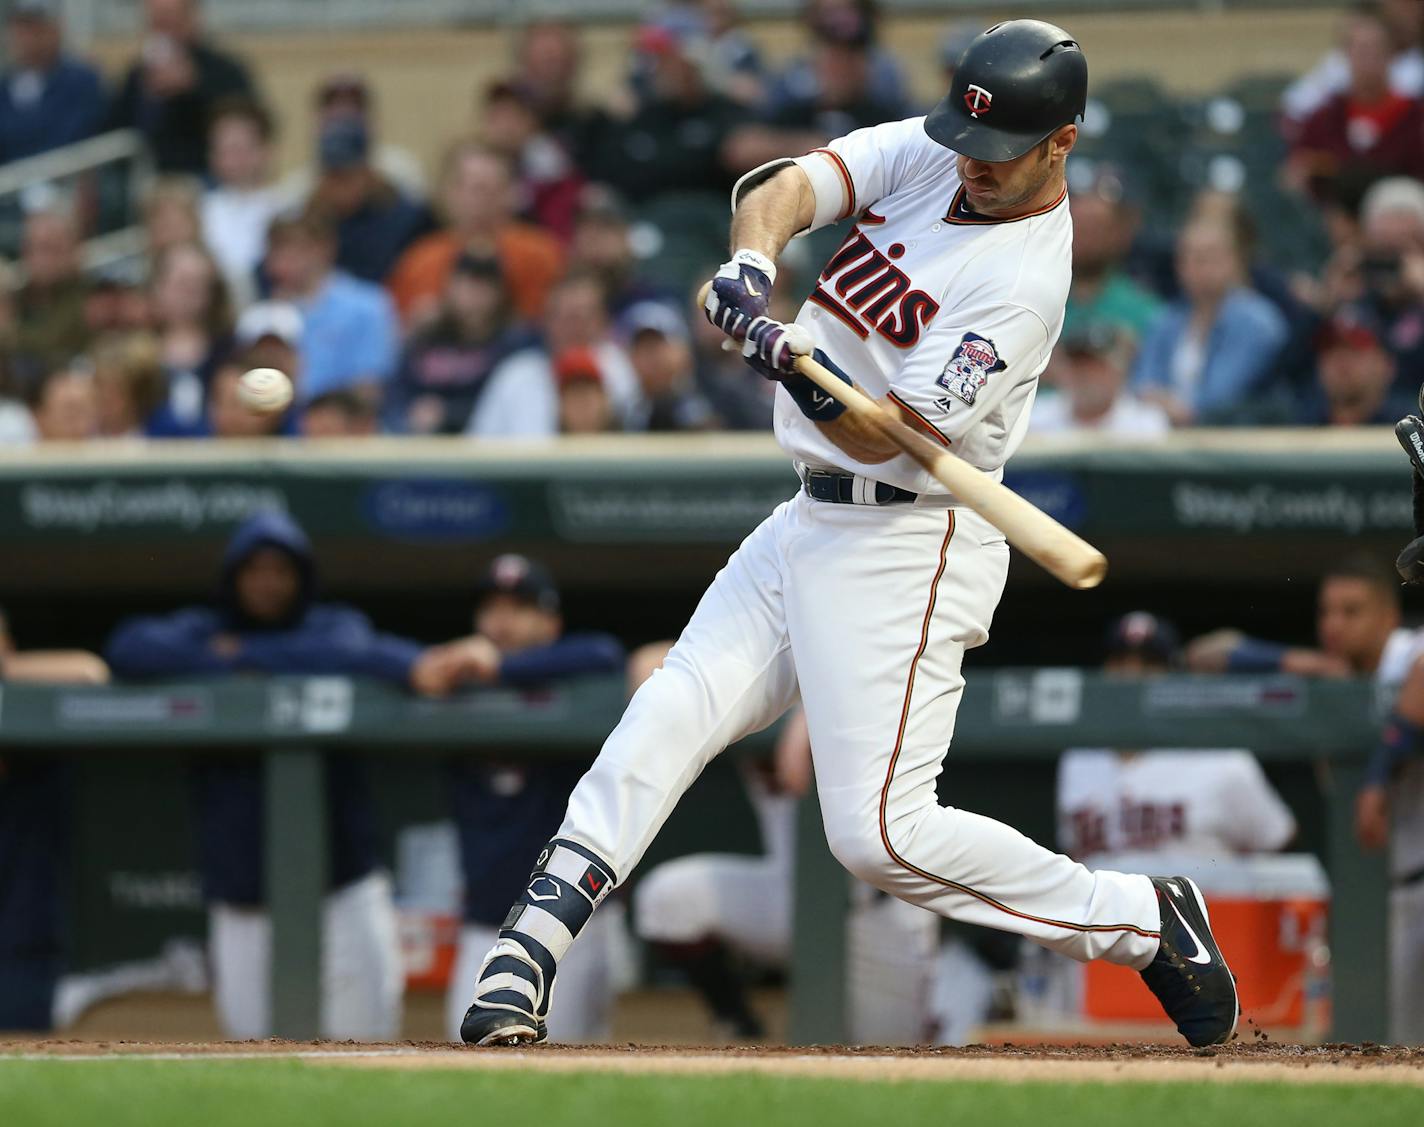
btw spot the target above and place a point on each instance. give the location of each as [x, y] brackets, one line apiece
[265, 390]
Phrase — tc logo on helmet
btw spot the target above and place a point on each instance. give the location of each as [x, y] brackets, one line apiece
[977, 99]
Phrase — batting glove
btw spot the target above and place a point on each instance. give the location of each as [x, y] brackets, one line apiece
[771, 347]
[740, 291]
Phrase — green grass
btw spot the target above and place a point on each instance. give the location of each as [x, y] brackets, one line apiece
[118, 1093]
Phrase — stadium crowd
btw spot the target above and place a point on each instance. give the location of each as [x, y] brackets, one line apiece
[539, 285]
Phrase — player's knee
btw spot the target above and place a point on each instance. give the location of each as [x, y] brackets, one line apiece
[861, 851]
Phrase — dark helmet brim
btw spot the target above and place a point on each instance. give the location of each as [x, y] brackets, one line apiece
[979, 140]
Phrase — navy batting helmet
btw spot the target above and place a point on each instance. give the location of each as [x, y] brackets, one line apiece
[1016, 83]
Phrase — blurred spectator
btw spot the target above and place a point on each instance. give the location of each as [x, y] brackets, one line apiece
[478, 201]
[17, 424]
[1331, 76]
[129, 382]
[952, 46]
[171, 213]
[446, 365]
[1391, 274]
[734, 66]
[674, 141]
[47, 97]
[1354, 375]
[1365, 125]
[171, 89]
[49, 307]
[192, 316]
[839, 100]
[375, 222]
[1210, 350]
[548, 181]
[741, 399]
[1092, 388]
[520, 399]
[837, 20]
[65, 405]
[1105, 221]
[35, 838]
[584, 407]
[350, 335]
[603, 246]
[267, 620]
[1214, 804]
[242, 201]
[347, 95]
[661, 354]
[506, 812]
[115, 304]
[340, 414]
[227, 415]
[548, 64]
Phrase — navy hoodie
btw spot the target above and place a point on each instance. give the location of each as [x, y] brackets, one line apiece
[315, 638]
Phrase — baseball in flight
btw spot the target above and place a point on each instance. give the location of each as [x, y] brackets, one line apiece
[265, 390]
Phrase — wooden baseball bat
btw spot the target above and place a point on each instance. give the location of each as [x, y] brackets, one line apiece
[1062, 553]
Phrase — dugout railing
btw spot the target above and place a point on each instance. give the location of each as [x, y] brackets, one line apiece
[1017, 715]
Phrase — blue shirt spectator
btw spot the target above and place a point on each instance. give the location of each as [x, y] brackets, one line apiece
[1207, 353]
[48, 99]
[350, 334]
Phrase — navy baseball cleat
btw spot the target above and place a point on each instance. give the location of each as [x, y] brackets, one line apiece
[1189, 976]
[487, 1025]
[508, 995]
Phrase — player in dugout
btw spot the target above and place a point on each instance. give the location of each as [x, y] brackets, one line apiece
[34, 846]
[267, 620]
[505, 812]
[1359, 632]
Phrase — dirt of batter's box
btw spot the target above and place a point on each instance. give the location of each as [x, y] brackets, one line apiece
[1363, 1055]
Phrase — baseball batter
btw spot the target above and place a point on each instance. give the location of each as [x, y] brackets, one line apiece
[866, 588]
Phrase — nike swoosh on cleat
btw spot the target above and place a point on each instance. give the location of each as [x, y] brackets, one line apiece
[1202, 956]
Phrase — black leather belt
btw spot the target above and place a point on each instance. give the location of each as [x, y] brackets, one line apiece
[839, 489]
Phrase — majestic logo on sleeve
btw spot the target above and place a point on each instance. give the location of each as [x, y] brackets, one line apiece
[969, 368]
[977, 100]
[867, 292]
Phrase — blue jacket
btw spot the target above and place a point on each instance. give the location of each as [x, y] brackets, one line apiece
[315, 638]
[70, 108]
[1246, 337]
[507, 812]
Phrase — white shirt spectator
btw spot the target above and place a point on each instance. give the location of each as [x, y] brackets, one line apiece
[1205, 803]
[1128, 417]
[235, 222]
[17, 425]
[522, 398]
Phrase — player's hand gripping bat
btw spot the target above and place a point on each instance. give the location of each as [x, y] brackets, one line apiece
[1063, 554]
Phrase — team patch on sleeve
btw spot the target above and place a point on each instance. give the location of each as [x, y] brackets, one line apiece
[969, 368]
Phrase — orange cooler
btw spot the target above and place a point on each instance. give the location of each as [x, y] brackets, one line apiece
[1269, 915]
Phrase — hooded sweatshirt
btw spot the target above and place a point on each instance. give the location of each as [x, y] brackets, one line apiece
[314, 638]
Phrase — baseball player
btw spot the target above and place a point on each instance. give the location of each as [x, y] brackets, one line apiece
[1210, 803]
[864, 590]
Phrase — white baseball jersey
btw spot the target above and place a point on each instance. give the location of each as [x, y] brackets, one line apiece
[1206, 803]
[951, 314]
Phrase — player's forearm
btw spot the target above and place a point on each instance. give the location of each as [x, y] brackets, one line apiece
[770, 213]
[861, 439]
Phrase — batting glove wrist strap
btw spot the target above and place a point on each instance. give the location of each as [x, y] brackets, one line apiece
[816, 404]
[756, 261]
